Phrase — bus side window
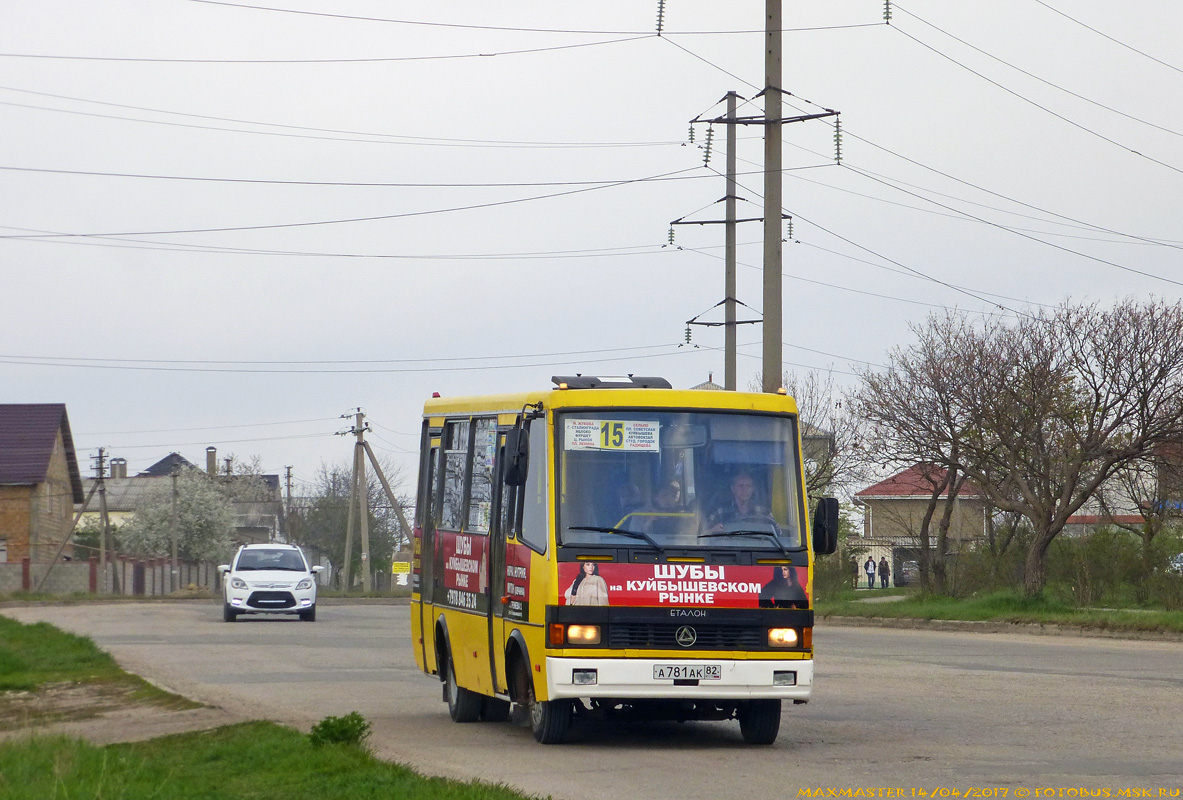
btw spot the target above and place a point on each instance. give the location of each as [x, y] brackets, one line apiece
[480, 503]
[533, 514]
[455, 477]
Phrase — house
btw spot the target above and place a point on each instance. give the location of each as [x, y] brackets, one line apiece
[258, 511]
[39, 480]
[893, 510]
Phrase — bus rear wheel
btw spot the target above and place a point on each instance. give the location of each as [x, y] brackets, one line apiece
[759, 721]
[463, 705]
[549, 719]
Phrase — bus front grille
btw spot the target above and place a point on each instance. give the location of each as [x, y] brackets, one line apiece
[664, 636]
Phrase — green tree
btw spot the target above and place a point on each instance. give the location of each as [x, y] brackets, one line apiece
[205, 520]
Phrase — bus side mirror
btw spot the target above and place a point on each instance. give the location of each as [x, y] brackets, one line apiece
[825, 526]
[517, 456]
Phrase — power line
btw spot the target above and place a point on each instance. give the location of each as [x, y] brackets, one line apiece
[1017, 232]
[1041, 107]
[1001, 196]
[348, 135]
[120, 365]
[376, 218]
[435, 360]
[382, 59]
[1110, 38]
[512, 29]
[1036, 77]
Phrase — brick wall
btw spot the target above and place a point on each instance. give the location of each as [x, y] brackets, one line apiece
[14, 520]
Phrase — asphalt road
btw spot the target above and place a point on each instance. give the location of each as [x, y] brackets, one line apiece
[926, 713]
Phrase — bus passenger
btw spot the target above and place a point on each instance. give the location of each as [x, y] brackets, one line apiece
[588, 588]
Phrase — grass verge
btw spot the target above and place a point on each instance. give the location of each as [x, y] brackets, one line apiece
[1006, 607]
[259, 760]
[40, 658]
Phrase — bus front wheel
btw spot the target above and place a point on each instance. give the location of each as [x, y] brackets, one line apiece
[549, 719]
[759, 721]
[463, 705]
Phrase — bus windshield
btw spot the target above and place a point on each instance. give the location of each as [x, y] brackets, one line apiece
[650, 478]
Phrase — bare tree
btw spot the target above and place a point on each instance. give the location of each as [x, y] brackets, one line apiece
[1045, 409]
[1144, 486]
[831, 437]
[915, 420]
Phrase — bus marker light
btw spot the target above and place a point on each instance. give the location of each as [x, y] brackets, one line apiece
[784, 678]
[556, 634]
[583, 634]
[782, 637]
[584, 677]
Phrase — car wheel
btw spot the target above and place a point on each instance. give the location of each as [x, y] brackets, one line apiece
[759, 721]
[463, 705]
[549, 719]
[308, 614]
[228, 613]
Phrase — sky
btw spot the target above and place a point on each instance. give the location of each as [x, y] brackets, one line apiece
[229, 224]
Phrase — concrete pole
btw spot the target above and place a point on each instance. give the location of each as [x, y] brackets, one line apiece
[363, 507]
[771, 378]
[402, 518]
[176, 535]
[729, 341]
[345, 584]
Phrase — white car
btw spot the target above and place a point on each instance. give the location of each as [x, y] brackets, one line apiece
[269, 579]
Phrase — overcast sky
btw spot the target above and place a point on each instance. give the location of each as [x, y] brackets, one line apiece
[228, 224]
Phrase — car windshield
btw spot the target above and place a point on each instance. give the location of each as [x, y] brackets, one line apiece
[645, 478]
[271, 559]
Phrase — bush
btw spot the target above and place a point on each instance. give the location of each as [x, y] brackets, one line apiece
[351, 729]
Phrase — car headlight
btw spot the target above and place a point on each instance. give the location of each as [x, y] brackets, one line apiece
[237, 583]
[304, 584]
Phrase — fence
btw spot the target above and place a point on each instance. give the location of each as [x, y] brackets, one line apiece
[124, 576]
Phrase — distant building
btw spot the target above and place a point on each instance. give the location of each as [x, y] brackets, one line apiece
[39, 480]
[256, 519]
[893, 511]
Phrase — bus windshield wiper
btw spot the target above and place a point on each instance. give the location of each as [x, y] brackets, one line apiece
[773, 536]
[618, 532]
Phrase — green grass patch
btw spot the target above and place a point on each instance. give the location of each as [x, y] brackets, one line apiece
[257, 760]
[37, 655]
[1005, 607]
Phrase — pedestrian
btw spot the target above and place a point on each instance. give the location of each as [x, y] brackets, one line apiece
[853, 573]
[884, 573]
[869, 567]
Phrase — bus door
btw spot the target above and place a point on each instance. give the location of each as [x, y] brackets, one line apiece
[423, 576]
[500, 529]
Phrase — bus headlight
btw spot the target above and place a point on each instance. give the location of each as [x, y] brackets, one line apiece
[782, 637]
[583, 634]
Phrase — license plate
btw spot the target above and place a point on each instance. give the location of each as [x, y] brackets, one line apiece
[683, 672]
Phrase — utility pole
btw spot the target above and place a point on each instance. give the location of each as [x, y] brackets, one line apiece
[363, 507]
[174, 524]
[772, 362]
[287, 509]
[105, 519]
[729, 337]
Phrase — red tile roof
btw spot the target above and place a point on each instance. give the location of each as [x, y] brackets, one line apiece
[27, 435]
[916, 481]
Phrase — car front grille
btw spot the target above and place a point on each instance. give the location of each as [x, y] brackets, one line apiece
[663, 636]
[271, 600]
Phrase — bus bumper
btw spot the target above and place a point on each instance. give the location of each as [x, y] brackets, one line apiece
[635, 678]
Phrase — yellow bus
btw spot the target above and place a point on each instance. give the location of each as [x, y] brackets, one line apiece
[616, 548]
